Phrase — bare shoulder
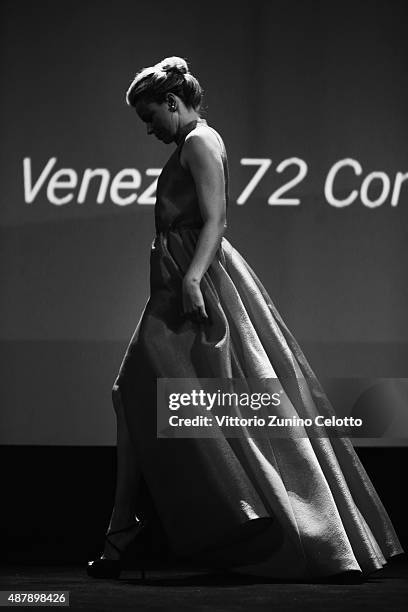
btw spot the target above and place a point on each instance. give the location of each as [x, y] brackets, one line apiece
[202, 143]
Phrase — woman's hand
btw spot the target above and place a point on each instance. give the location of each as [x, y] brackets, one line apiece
[193, 301]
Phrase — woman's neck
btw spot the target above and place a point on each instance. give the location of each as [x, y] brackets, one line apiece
[186, 126]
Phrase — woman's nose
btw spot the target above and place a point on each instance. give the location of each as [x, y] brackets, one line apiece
[149, 129]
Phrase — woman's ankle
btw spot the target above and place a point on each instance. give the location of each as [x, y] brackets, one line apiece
[116, 541]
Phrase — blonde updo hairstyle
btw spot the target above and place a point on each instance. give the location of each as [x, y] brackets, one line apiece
[171, 75]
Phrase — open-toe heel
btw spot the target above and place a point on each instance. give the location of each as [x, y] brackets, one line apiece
[111, 568]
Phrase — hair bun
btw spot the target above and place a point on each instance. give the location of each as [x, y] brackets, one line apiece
[174, 63]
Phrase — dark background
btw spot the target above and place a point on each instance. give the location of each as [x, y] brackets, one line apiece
[317, 80]
[320, 81]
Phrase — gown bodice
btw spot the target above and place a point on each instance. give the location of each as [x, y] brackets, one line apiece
[177, 202]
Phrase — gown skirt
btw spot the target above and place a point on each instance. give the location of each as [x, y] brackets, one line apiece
[283, 507]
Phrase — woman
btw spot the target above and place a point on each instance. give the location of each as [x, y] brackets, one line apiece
[293, 507]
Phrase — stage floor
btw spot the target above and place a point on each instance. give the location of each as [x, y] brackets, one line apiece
[184, 589]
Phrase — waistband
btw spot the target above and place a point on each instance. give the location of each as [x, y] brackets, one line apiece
[176, 228]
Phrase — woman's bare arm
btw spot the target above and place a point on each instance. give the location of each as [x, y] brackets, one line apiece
[202, 155]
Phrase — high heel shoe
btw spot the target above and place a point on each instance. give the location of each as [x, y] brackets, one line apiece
[111, 568]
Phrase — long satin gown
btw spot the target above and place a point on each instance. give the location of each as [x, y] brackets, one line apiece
[280, 507]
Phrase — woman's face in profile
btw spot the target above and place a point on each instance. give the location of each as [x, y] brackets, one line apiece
[157, 118]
